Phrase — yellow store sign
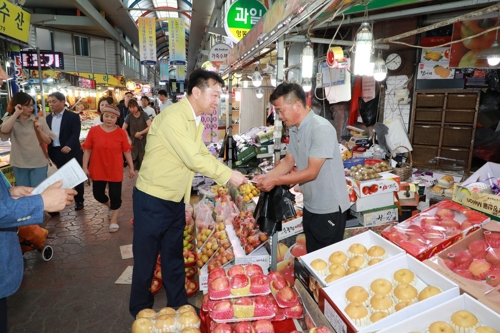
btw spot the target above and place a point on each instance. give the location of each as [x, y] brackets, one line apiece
[14, 22]
[100, 79]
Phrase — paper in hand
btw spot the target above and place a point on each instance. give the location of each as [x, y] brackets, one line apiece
[70, 173]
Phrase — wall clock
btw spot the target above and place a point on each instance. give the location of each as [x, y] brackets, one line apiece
[394, 62]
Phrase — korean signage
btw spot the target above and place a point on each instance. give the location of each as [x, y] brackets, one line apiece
[241, 17]
[48, 60]
[86, 83]
[14, 22]
[147, 40]
[180, 73]
[177, 41]
[164, 69]
[18, 71]
[211, 127]
[103, 79]
[218, 54]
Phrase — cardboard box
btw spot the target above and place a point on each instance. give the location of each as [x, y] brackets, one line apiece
[443, 312]
[478, 289]
[435, 55]
[377, 216]
[486, 203]
[373, 202]
[423, 235]
[332, 299]
[378, 229]
[435, 70]
[388, 183]
[368, 239]
[245, 154]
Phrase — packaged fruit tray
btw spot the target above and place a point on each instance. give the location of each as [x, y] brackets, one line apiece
[237, 286]
[435, 229]
[248, 233]
[166, 320]
[260, 326]
[222, 258]
[243, 309]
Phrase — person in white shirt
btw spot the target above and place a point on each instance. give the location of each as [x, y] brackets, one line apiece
[162, 96]
[145, 106]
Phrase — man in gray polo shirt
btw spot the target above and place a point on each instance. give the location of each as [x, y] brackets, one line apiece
[314, 149]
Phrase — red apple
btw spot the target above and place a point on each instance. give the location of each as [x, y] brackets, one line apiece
[223, 328]
[239, 281]
[155, 286]
[279, 283]
[414, 230]
[449, 263]
[478, 249]
[263, 326]
[320, 329]
[429, 223]
[223, 305]
[445, 213]
[263, 237]
[298, 250]
[287, 294]
[244, 301]
[215, 273]
[258, 280]
[220, 283]
[158, 273]
[253, 269]
[235, 270]
[463, 259]
[243, 327]
[466, 225]
[449, 223]
[249, 248]
[493, 257]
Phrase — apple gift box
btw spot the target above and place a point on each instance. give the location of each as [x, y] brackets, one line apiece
[434, 229]
[332, 299]
[388, 182]
[486, 292]
[368, 239]
[443, 312]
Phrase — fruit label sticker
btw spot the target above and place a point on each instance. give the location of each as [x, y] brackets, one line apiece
[333, 318]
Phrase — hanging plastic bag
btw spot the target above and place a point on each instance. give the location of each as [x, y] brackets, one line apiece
[368, 110]
[274, 207]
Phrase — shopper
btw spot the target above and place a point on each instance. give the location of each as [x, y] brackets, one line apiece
[66, 145]
[174, 152]
[102, 103]
[18, 207]
[146, 108]
[21, 126]
[137, 123]
[320, 172]
[103, 148]
[163, 97]
[123, 107]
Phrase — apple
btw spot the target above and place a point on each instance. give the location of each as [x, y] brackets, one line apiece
[157, 273]
[466, 225]
[263, 326]
[235, 270]
[429, 223]
[493, 256]
[215, 273]
[244, 301]
[223, 305]
[445, 213]
[287, 295]
[220, 283]
[479, 268]
[258, 280]
[298, 250]
[286, 268]
[294, 312]
[282, 250]
[320, 329]
[239, 281]
[301, 239]
[253, 269]
[478, 249]
[223, 328]
[155, 286]
[243, 327]
[449, 223]
[279, 283]
[263, 237]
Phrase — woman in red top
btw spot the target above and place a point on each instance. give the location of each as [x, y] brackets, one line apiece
[104, 147]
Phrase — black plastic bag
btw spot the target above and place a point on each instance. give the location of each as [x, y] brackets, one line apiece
[274, 207]
[368, 110]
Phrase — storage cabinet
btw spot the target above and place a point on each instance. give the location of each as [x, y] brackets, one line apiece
[443, 128]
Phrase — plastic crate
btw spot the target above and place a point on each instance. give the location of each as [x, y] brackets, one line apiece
[348, 164]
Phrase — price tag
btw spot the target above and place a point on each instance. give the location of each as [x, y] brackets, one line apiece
[334, 319]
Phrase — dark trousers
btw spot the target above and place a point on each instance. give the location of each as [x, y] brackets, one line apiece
[322, 230]
[59, 159]
[3, 315]
[115, 193]
[158, 228]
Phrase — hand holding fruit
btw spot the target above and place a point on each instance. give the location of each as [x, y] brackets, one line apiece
[265, 182]
[237, 179]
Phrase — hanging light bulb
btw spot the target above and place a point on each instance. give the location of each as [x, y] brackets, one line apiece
[307, 84]
[363, 49]
[237, 95]
[256, 78]
[379, 68]
[273, 79]
[259, 93]
[307, 60]
[245, 81]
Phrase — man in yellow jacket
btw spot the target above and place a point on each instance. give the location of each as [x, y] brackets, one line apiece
[174, 152]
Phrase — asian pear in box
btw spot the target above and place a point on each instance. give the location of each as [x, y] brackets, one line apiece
[387, 183]
[474, 264]
[352, 303]
[477, 314]
[435, 229]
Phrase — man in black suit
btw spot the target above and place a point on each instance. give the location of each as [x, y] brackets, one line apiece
[66, 125]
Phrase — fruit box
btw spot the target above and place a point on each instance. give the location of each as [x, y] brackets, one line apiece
[476, 288]
[377, 216]
[486, 203]
[435, 70]
[332, 299]
[435, 54]
[373, 202]
[443, 312]
[259, 257]
[387, 183]
[434, 229]
[368, 239]
[378, 229]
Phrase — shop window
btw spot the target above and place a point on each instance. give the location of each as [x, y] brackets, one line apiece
[81, 46]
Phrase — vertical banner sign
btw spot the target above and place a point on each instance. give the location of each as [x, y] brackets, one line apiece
[14, 22]
[147, 40]
[17, 71]
[164, 70]
[211, 124]
[241, 17]
[180, 73]
[177, 41]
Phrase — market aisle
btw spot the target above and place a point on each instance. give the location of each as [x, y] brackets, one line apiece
[76, 290]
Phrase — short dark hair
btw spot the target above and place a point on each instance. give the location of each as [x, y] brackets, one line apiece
[99, 104]
[110, 100]
[162, 92]
[19, 98]
[129, 92]
[200, 77]
[145, 97]
[289, 91]
[133, 102]
[58, 95]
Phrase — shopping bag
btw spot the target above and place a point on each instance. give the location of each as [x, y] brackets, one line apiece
[274, 207]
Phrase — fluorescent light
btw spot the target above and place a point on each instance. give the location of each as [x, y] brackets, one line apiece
[363, 50]
[379, 69]
[307, 61]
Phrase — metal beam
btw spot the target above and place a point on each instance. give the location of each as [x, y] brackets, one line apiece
[91, 12]
[217, 31]
[302, 39]
[160, 10]
[57, 20]
[423, 10]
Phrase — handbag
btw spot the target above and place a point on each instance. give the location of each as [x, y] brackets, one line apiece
[52, 168]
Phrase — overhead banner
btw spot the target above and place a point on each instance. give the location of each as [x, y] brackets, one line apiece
[164, 70]
[241, 17]
[147, 40]
[101, 79]
[180, 73]
[177, 41]
[218, 54]
[14, 22]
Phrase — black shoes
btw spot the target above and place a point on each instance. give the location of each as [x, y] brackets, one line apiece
[79, 206]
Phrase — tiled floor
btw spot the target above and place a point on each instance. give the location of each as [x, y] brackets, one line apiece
[76, 291]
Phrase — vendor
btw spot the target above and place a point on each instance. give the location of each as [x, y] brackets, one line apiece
[320, 172]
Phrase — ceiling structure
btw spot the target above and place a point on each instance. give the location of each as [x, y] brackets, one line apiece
[86, 17]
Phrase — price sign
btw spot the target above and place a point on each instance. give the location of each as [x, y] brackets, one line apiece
[219, 54]
[291, 228]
